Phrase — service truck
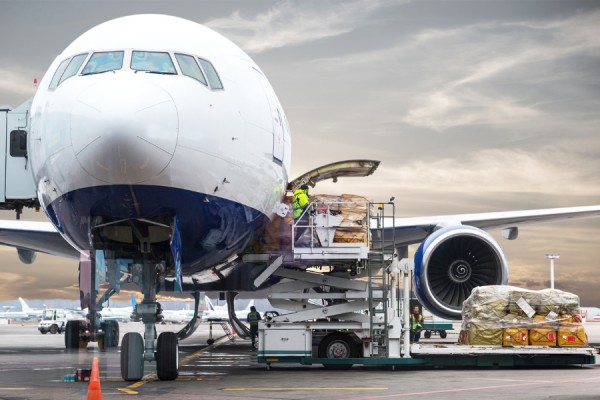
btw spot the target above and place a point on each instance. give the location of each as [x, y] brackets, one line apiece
[53, 321]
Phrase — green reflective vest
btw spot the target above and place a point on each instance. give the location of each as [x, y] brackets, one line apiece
[300, 202]
[416, 323]
[253, 318]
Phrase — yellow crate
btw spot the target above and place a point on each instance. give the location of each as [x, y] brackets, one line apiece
[542, 337]
[485, 337]
[515, 337]
[572, 335]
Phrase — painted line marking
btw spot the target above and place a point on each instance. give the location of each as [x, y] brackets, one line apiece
[271, 389]
[153, 377]
[1, 388]
[472, 389]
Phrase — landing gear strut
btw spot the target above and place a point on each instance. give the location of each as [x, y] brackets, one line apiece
[135, 350]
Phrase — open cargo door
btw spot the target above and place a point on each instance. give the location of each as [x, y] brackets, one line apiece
[350, 168]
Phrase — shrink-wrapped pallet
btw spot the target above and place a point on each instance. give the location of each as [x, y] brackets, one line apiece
[541, 316]
[485, 303]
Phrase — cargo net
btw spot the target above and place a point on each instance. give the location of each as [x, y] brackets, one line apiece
[277, 235]
[510, 316]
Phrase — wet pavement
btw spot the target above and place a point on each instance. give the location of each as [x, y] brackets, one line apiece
[32, 366]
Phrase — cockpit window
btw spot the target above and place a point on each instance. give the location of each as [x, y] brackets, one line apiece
[155, 62]
[59, 71]
[189, 67]
[73, 67]
[211, 74]
[103, 61]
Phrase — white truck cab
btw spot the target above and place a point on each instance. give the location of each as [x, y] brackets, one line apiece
[53, 321]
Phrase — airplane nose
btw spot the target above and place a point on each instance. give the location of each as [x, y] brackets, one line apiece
[124, 131]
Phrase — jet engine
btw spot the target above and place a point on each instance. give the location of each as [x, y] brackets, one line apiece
[451, 262]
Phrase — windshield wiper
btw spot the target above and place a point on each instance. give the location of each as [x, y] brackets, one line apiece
[99, 72]
[160, 72]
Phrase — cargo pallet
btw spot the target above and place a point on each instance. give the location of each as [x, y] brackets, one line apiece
[362, 317]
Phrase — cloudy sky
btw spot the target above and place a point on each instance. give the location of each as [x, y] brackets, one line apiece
[472, 106]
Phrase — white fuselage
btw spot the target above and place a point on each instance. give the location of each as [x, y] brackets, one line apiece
[127, 143]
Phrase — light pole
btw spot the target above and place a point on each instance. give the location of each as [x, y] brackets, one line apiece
[552, 257]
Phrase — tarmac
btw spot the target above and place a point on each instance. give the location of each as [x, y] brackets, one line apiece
[33, 366]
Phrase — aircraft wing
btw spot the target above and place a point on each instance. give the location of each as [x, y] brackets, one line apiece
[34, 236]
[414, 230]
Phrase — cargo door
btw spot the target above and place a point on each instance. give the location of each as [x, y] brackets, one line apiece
[349, 168]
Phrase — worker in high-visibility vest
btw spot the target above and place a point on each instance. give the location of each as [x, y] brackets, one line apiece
[416, 324]
[253, 318]
[301, 203]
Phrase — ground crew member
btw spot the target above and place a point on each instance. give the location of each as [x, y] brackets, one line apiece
[416, 324]
[253, 318]
[301, 203]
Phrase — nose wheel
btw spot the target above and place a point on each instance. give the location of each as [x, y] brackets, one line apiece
[132, 357]
[167, 356]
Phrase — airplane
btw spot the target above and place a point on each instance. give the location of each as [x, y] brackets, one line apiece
[158, 148]
[31, 312]
[8, 314]
[221, 313]
[119, 313]
[176, 316]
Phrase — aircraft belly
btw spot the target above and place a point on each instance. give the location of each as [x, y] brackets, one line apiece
[212, 228]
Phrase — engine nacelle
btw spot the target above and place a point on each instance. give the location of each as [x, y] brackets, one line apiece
[26, 256]
[451, 262]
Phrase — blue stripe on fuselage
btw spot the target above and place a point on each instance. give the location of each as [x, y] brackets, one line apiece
[212, 228]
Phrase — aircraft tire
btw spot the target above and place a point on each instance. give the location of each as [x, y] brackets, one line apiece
[167, 356]
[72, 334]
[111, 334]
[338, 345]
[132, 357]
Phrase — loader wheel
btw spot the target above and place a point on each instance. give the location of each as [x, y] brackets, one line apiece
[427, 334]
[338, 345]
[443, 334]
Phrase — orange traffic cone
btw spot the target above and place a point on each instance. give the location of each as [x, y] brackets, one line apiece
[94, 392]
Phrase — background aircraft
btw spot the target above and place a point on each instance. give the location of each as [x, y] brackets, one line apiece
[213, 312]
[31, 312]
[10, 314]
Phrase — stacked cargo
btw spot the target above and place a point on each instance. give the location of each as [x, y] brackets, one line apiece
[353, 209]
[277, 235]
[509, 316]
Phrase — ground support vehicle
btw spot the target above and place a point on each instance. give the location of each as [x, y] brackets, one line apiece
[53, 321]
[436, 328]
[361, 316]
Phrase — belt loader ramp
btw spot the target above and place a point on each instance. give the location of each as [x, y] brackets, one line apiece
[362, 317]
